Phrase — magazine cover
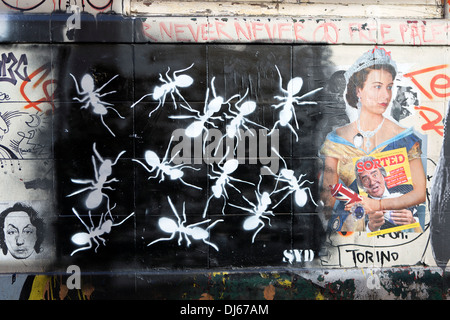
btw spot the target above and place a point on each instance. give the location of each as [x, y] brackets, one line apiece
[386, 175]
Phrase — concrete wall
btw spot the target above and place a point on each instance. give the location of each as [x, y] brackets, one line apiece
[152, 71]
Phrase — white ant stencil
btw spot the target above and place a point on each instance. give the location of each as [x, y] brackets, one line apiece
[92, 97]
[239, 119]
[197, 127]
[169, 86]
[192, 230]
[288, 112]
[97, 185]
[94, 233]
[294, 186]
[259, 211]
[163, 166]
[223, 179]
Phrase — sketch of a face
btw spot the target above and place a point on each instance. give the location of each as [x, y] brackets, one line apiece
[20, 234]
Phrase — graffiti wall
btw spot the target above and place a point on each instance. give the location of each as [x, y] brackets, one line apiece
[152, 152]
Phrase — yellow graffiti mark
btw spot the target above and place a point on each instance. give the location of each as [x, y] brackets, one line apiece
[286, 283]
[222, 274]
[319, 296]
[394, 229]
[46, 288]
[87, 291]
[39, 287]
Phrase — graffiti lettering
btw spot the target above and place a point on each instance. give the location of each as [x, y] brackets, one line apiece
[384, 30]
[373, 257]
[14, 5]
[298, 26]
[4, 96]
[394, 235]
[10, 67]
[364, 31]
[296, 255]
[328, 30]
[437, 88]
[74, 21]
[419, 34]
[188, 32]
[48, 95]
[433, 84]
[431, 124]
[304, 30]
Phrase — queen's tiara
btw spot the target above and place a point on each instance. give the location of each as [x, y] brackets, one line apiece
[370, 58]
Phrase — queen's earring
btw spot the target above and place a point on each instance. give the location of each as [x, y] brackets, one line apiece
[359, 104]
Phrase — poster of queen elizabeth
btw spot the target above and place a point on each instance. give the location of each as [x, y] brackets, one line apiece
[369, 92]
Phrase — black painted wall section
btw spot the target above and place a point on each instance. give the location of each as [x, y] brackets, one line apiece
[126, 122]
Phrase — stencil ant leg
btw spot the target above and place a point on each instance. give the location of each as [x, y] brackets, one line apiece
[182, 70]
[175, 106]
[293, 131]
[81, 190]
[274, 127]
[239, 180]
[150, 114]
[189, 185]
[205, 139]
[310, 195]
[220, 142]
[288, 125]
[142, 98]
[105, 94]
[106, 126]
[100, 89]
[76, 84]
[81, 249]
[250, 203]
[262, 225]
[282, 189]
[162, 239]
[82, 100]
[285, 196]
[209, 227]
[82, 222]
[188, 107]
[211, 244]
[257, 231]
[307, 189]
[149, 170]
[225, 197]
[108, 207]
[281, 81]
[295, 117]
[206, 206]
[181, 166]
[117, 112]
[97, 243]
